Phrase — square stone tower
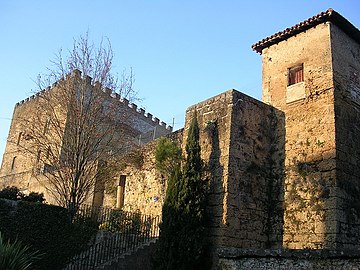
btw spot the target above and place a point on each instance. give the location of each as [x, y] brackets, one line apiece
[311, 73]
[42, 134]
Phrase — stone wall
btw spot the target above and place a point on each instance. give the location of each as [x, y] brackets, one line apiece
[242, 145]
[238, 138]
[145, 187]
[310, 166]
[236, 259]
[214, 118]
[255, 174]
[44, 116]
[18, 164]
[346, 67]
[13, 147]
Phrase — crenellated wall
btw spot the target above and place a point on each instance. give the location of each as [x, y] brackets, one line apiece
[138, 114]
[20, 165]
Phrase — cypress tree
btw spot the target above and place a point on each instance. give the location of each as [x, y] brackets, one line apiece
[181, 242]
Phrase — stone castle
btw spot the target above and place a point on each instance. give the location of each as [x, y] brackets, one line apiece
[284, 172]
[25, 168]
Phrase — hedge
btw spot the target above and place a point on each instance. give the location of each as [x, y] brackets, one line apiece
[46, 228]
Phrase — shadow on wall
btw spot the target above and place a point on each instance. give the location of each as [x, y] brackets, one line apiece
[215, 199]
[216, 188]
[255, 185]
[320, 210]
[275, 181]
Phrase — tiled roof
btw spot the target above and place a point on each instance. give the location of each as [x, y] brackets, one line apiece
[329, 15]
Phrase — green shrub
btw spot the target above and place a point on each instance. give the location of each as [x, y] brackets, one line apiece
[11, 193]
[14, 193]
[34, 197]
[46, 228]
[120, 221]
[167, 156]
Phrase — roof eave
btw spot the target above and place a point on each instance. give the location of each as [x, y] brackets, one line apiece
[329, 15]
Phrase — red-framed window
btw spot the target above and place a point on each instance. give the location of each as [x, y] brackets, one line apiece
[296, 74]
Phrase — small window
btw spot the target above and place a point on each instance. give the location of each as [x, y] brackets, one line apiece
[296, 74]
[19, 138]
[47, 168]
[13, 163]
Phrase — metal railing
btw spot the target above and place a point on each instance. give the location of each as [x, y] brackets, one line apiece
[126, 232]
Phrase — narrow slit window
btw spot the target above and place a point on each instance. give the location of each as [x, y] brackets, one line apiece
[38, 162]
[13, 163]
[19, 138]
[296, 74]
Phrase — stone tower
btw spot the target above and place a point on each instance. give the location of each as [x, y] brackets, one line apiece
[25, 162]
[311, 73]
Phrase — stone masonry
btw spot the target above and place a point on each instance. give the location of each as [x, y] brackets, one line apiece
[23, 168]
[321, 119]
[310, 135]
[238, 139]
[283, 173]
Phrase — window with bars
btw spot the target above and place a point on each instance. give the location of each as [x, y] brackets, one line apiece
[296, 74]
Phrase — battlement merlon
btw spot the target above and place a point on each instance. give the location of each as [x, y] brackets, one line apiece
[109, 92]
[130, 105]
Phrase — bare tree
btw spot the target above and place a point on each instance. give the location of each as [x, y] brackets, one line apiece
[78, 128]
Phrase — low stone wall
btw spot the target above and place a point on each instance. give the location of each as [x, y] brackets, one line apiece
[279, 259]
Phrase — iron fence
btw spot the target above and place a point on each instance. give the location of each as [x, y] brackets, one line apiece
[126, 232]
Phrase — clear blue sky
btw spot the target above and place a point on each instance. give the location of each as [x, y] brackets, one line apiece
[182, 52]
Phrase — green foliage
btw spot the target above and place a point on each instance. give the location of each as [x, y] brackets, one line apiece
[15, 256]
[14, 193]
[34, 197]
[182, 232]
[11, 193]
[45, 228]
[194, 164]
[127, 222]
[167, 156]
[120, 221]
